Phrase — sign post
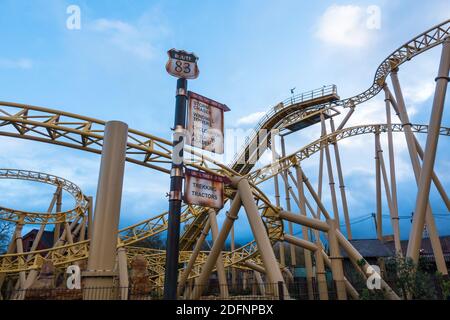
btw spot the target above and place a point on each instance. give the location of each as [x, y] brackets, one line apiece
[182, 65]
[204, 189]
[205, 127]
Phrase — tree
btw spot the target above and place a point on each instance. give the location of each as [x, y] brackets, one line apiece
[411, 279]
[153, 242]
[6, 230]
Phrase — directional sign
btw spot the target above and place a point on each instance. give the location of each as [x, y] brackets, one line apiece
[204, 189]
[182, 64]
[205, 125]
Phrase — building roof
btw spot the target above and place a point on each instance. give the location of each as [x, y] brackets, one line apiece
[46, 238]
[369, 248]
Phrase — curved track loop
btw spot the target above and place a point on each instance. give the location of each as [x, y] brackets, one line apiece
[419, 44]
[16, 216]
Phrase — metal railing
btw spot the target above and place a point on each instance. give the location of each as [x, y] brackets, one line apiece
[295, 99]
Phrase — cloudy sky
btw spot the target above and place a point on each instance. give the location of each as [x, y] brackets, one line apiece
[251, 54]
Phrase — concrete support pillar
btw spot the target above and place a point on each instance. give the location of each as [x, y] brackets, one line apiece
[102, 251]
[424, 182]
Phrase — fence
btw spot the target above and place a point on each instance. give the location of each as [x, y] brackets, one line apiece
[242, 291]
[298, 290]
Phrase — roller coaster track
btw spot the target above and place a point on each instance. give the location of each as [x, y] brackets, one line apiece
[264, 173]
[64, 255]
[16, 216]
[156, 260]
[83, 133]
[301, 106]
[421, 43]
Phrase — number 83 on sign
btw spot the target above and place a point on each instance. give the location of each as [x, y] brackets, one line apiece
[182, 64]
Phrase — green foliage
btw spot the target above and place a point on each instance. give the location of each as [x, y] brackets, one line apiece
[361, 263]
[412, 280]
[367, 294]
[153, 242]
[444, 282]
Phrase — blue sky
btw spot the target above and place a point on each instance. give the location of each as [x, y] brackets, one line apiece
[251, 54]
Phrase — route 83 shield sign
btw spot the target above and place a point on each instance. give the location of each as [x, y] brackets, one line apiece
[182, 64]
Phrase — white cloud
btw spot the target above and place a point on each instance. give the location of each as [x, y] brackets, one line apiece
[133, 39]
[16, 63]
[343, 26]
[252, 118]
[419, 92]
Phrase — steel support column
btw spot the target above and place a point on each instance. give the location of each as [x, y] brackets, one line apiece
[277, 191]
[288, 202]
[307, 254]
[336, 260]
[330, 175]
[202, 280]
[341, 182]
[424, 183]
[260, 233]
[378, 187]
[410, 140]
[197, 248]
[219, 264]
[393, 179]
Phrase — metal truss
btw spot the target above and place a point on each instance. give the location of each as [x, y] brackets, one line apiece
[86, 134]
[23, 217]
[264, 173]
